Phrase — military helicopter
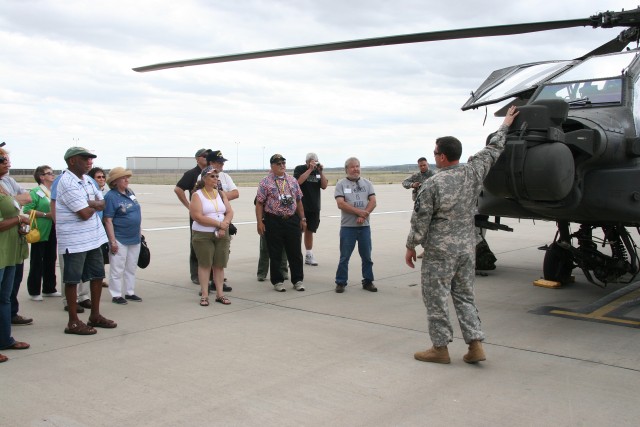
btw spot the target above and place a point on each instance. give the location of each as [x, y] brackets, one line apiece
[573, 154]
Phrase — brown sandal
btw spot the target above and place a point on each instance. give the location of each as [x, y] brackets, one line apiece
[3, 358]
[102, 322]
[204, 301]
[223, 300]
[79, 328]
[18, 345]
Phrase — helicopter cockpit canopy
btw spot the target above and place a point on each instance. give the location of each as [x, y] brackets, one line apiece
[595, 80]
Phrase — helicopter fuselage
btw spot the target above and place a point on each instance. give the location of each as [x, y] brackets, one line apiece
[573, 154]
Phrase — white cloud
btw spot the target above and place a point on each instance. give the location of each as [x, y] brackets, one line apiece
[69, 77]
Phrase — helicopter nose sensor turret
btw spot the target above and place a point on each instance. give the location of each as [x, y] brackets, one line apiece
[536, 165]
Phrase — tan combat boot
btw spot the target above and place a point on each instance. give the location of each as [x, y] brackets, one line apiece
[475, 354]
[434, 355]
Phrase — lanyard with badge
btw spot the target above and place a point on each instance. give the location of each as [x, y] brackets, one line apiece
[285, 199]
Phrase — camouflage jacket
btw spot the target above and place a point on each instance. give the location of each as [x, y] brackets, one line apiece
[443, 217]
[417, 177]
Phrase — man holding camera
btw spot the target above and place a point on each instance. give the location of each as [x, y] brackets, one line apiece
[311, 179]
[280, 217]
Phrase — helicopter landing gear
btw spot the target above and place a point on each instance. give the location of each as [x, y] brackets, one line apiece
[558, 264]
[621, 266]
[558, 260]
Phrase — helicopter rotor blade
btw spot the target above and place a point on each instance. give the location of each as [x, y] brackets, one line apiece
[492, 31]
[617, 44]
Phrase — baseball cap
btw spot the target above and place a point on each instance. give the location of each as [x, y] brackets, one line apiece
[78, 151]
[202, 152]
[277, 158]
[216, 156]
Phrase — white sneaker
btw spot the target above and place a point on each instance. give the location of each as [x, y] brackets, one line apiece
[35, 297]
[298, 286]
[52, 294]
[279, 287]
[309, 259]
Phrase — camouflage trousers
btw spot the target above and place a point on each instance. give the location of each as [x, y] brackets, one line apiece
[455, 277]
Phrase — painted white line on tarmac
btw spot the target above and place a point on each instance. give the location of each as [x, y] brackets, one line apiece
[253, 222]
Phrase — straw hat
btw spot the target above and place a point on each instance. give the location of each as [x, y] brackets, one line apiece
[116, 173]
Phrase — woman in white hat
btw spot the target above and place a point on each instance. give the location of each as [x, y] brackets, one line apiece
[122, 221]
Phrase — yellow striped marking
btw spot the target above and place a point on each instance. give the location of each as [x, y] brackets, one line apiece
[602, 312]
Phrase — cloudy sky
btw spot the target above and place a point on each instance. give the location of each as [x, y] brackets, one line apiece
[67, 79]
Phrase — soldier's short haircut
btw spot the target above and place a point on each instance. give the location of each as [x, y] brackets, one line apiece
[349, 161]
[450, 146]
[422, 159]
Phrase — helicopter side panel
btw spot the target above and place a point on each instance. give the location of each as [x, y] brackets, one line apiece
[614, 194]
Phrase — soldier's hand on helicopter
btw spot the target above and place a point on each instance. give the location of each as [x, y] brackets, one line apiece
[410, 257]
[511, 115]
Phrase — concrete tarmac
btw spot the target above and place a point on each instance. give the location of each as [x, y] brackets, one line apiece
[318, 358]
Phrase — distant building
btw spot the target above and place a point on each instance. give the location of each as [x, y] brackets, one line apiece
[160, 164]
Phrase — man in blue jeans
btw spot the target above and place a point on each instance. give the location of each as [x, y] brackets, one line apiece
[356, 200]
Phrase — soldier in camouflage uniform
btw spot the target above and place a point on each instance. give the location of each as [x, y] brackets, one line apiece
[416, 180]
[443, 223]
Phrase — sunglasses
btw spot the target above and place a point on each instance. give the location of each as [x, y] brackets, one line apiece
[280, 163]
[99, 177]
[436, 153]
[48, 173]
[213, 175]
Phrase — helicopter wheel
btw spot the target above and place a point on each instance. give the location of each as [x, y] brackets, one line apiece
[557, 264]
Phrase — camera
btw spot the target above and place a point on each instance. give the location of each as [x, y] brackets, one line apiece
[24, 229]
[286, 201]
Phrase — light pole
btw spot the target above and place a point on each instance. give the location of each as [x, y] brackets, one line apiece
[237, 156]
[263, 147]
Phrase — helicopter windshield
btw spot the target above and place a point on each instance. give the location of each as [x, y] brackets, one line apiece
[602, 72]
[598, 67]
[583, 94]
[513, 81]
[595, 81]
[524, 78]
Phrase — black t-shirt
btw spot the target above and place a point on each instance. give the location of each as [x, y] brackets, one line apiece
[310, 188]
[189, 180]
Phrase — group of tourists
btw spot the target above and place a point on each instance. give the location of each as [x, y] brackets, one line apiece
[79, 219]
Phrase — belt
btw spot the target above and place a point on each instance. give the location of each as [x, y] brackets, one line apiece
[282, 217]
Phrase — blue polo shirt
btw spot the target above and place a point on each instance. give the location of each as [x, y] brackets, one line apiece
[124, 210]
